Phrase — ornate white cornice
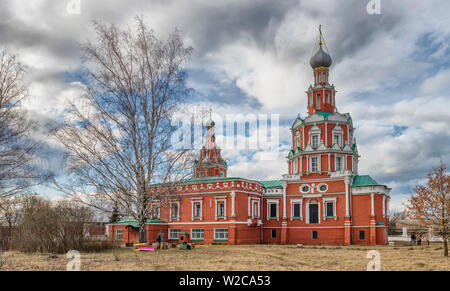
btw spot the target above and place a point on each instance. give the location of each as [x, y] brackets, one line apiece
[382, 189]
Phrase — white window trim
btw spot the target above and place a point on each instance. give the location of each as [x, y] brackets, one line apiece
[215, 232]
[170, 231]
[307, 211]
[203, 232]
[257, 203]
[273, 201]
[157, 212]
[117, 234]
[224, 200]
[170, 210]
[311, 140]
[336, 163]
[199, 202]
[297, 201]
[318, 164]
[332, 200]
[340, 135]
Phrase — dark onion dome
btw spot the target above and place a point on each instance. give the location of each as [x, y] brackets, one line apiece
[320, 59]
[210, 123]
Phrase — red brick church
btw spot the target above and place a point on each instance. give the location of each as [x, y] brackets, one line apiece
[321, 200]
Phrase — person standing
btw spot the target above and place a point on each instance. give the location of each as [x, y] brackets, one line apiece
[160, 238]
[413, 238]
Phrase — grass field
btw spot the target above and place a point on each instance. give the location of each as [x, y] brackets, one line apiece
[247, 257]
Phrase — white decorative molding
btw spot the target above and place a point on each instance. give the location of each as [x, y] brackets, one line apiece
[301, 190]
[321, 184]
[381, 189]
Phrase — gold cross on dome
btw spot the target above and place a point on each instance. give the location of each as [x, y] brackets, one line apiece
[320, 32]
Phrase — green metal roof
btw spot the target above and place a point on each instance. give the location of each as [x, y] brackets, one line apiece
[380, 223]
[364, 180]
[271, 184]
[134, 223]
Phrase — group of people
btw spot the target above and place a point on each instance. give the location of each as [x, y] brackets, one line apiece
[415, 240]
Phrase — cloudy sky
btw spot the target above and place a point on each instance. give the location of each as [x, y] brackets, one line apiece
[391, 70]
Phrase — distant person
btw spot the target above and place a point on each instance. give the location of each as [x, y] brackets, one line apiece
[419, 240]
[160, 238]
[413, 238]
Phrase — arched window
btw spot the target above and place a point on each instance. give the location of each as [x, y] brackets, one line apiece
[311, 100]
[318, 101]
[328, 98]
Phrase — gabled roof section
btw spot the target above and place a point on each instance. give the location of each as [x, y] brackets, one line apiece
[271, 184]
[364, 180]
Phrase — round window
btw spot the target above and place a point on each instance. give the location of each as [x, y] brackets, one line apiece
[305, 189]
[323, 187]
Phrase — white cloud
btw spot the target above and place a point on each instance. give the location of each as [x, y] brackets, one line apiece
[263, 48]
[437, 84]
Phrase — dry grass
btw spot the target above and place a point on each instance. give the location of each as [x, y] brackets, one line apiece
[248, 257]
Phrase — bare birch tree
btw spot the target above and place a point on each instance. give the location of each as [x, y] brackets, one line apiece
[430, 204]
[19, 168]
[118, 136]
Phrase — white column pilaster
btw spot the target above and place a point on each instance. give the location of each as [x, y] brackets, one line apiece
[284, 183]
[233, 197]
[372, 208]
[347, 196]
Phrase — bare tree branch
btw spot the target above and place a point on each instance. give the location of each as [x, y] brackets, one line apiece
[118, 137]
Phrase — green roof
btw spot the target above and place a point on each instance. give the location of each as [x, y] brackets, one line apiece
[364, 180]
[380, 223]
[324, 114]
[134, 223]
[271, 184]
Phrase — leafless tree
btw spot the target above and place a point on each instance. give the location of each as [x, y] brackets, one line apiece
[11, 215]
[394, 217]
[19, 168]
[118, 136]
[430, 204]
[55, 227]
